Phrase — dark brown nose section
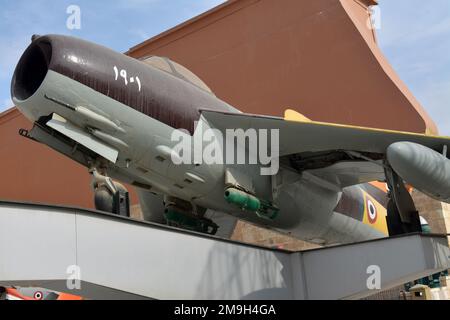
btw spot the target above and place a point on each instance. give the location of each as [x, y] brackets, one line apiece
[173, 98]
[31, 69]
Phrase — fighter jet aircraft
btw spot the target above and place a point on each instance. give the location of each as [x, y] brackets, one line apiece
[140, 122]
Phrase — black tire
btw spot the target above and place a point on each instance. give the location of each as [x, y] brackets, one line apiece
[103, 199]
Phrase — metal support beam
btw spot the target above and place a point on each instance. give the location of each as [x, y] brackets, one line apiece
[122, 258]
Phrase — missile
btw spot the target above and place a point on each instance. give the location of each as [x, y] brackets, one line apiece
[98, 120]
[242, 199]
[91, 117]
[249, 202]
[425, 169]
[109, 139]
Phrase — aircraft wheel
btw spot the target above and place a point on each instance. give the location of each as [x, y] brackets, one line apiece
[103, 199]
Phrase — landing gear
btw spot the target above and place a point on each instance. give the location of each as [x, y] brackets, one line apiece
[402, 216]
[181, 214]
[110, 196]
[395, 224]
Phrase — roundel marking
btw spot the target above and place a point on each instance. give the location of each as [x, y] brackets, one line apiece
[38, 295]
[371, 212]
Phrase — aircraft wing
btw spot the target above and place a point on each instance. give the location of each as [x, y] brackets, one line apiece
[342, 154]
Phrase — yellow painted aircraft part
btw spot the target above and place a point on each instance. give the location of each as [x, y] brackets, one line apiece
[292, 115]
[429, 132]
[374, 214]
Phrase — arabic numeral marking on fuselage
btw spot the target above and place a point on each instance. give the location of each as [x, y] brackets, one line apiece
[122, 73]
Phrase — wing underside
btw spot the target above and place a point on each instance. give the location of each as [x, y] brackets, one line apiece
[343, 155]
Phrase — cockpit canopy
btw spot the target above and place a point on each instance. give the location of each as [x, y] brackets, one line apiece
[177, 70]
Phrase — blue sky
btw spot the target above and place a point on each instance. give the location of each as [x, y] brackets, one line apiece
[414, 36]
